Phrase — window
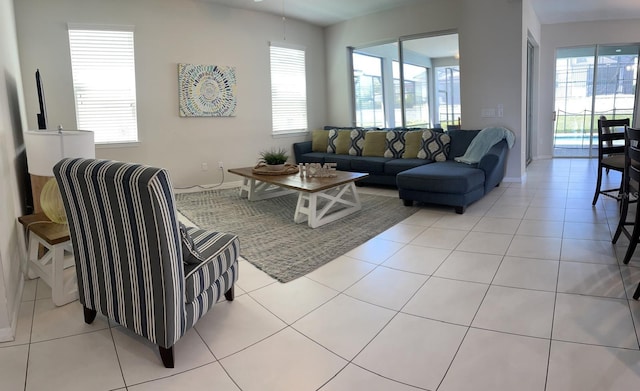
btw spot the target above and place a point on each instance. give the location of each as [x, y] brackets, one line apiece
[288, 89]
[104, 83]
[402, 84]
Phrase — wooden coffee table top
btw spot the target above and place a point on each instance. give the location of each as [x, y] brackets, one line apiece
[295, 182]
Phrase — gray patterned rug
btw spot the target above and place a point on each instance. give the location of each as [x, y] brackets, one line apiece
[271, 241]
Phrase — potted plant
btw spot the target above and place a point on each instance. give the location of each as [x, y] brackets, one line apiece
[274, 158]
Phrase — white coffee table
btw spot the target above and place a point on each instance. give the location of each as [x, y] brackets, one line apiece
[320, 200]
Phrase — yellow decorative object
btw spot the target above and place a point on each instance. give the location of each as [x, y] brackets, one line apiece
[51, 202]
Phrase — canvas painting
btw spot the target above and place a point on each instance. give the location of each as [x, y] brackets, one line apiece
[207, 90]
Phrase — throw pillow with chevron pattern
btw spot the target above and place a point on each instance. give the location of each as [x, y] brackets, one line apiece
[357, 142]
[394, 147]
[435, 146]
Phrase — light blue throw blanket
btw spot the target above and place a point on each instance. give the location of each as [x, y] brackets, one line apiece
[481, 144]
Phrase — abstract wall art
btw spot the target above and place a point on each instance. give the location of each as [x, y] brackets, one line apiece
[207, 90]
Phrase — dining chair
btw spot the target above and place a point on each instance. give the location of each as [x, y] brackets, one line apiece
[135, 262]
[610, 153]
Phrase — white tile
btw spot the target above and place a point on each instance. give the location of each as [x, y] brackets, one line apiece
[486, 243]
[551, 229]
[341, 273]
[199, 379]
[403, 233]
[507, 212]
[417, 259]
[527, 273]
[594, 320]
[23, 326]
[233, 326]
[468, 266]
[516, 311]
[344, 325]
[413, 350]
[546, 213]
[497, 225]
[635, 314]
[578, 367]
[498, 362]
[424, 217]
[586, 231]
[375, 250]
[355, 378]
[81, 362]
[13, 366]
[591, 279]
[457, 221]
[386, 287]
[140, 359]
[29, 290]
[252, 278]
[440, 238]
[535, 247]
[631, 279]
[285, 361]
[293, 300]
[51, 322]
[594, 251]
[43, 291]
[585, 215]
[447, 300]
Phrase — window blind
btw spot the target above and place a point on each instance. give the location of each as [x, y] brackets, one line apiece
[104, 83]
[288, 89]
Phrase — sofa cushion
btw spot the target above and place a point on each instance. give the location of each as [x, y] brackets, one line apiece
[339, 141]
[371, 164]
[319, 140]
[357, 142]
[412, 144]
[460, 140]
[435, 146]
[442, 177]
[395, 166]
[343, 162]
[374, 143]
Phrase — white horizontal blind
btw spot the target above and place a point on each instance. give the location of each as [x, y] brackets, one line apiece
[288, 89]
[104, 83]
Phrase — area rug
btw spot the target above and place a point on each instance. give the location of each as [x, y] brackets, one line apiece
[270, 239]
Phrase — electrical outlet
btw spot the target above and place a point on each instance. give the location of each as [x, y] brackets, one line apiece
[221, 165]
[204, 166]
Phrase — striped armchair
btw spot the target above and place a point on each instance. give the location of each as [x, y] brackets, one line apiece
[134, 262]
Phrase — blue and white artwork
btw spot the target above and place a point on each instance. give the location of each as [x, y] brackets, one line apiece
[207, 90]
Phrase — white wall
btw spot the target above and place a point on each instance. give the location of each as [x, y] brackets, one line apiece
[12, 160]
[556, 36]
[491, 59]
[168, 32]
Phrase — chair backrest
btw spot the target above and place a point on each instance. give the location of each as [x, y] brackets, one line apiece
[126, 243]
[632, 160]
[610, 130]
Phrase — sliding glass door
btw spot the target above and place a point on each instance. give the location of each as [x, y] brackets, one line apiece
[592, 82]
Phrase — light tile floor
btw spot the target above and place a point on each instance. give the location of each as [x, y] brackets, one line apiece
[523, 292]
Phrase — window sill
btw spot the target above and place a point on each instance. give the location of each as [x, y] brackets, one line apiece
[292, 133]
[128, 144]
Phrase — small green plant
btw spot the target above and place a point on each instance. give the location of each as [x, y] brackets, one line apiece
[274, 156]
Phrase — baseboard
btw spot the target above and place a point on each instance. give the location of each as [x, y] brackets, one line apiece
[543, 157]
[8, 334]
[513, 179]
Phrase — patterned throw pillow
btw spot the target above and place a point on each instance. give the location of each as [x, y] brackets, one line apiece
[394, 147]
[412, 144]
[331, 141]
[357, 142]
[190, 253]
[435, 146]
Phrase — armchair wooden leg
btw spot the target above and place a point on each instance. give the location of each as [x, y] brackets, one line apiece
[166, 354]
[89, 315]
[230, 294]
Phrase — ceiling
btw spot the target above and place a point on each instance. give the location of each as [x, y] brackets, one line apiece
[328, 12]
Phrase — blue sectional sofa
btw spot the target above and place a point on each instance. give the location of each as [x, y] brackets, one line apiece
[442, 180]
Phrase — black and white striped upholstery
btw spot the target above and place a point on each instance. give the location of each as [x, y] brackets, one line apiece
[128, 253]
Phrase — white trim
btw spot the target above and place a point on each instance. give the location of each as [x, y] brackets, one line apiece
[108, 27]
[287, 45]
